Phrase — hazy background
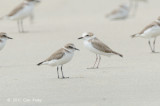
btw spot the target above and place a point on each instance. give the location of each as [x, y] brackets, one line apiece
[129, 81]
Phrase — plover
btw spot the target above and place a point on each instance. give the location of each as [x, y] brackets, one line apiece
[21, 12]
[150, 31]
[120, 13]
[93, 44]
[60, 57]
[3, 39]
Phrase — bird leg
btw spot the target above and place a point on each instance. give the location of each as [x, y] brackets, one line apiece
[99, 61]
[21, 22]
[62, 73]
[57, 72]
[94, 63]
[150, 45]
[154, 42]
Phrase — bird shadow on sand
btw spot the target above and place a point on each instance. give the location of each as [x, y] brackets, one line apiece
[155, 52]
[11, 66]
[68, 78]
[24, 32]
[106, 68]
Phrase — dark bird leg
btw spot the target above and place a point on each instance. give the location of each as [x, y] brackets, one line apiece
[150, 45]
[99, 61]
[62, 72]
[57, 72]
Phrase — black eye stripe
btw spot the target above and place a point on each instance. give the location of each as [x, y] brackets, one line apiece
[70, 47]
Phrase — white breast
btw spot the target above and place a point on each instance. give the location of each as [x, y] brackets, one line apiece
[65, 59]
[151, 32]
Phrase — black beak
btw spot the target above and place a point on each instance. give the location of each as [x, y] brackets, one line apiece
[8, 37]
[80, 38]
[76, 49]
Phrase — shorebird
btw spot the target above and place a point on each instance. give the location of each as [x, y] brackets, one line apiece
[150, 31]
[21, 12]
[3, 39]
[60, 57]
[120, 13]
[96, 46]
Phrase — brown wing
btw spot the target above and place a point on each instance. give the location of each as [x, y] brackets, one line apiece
[18, 8]
[101, 46]
[57, 55]
[113, 12]
[148, 26]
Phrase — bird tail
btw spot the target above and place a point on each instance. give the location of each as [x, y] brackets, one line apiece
[118, 54]
[40, 63]
[135, 35]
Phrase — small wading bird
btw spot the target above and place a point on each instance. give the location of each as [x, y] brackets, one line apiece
[121, 13]
[150, 31]
[3, 39]
[21, 12]
[96, 46]
[60, 57]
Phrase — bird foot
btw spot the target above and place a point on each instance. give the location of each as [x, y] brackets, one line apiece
[155, 52]
[65, 77]
[92, 68]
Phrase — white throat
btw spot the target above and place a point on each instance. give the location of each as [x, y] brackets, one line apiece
[90, 38]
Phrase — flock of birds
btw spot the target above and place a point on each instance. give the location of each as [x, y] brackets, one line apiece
[91, 42]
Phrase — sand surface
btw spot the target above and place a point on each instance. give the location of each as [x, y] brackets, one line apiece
[130, 81]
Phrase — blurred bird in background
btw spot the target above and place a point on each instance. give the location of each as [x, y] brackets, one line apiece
[120, 13]
[22, 11]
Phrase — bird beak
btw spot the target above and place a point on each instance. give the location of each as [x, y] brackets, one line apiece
[80, 38]
[76, 49]
[8, 37]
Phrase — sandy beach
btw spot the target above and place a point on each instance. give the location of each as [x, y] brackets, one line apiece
[133, 80]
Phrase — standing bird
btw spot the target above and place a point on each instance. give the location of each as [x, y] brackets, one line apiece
[96, 46]
[150, 31]
[3, 39]
[21, 12]
[60, 57]
[121, 13]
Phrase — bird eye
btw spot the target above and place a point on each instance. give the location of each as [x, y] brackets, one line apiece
[70, 47]
[4, 35]
[87, 35]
